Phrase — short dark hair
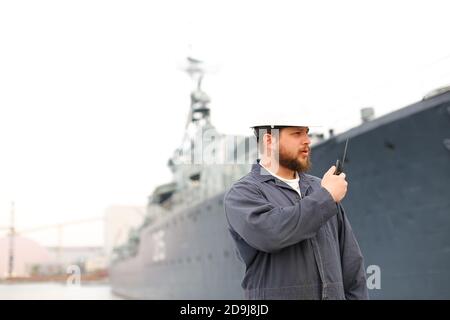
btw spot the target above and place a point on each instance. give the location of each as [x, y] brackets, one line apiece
[268, 129]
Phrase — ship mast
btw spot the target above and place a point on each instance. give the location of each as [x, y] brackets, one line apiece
[198, 118]
[199, 111]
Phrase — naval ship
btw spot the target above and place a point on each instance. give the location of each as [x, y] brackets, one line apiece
[398, 168]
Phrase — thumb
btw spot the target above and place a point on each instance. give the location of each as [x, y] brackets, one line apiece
[330, 171]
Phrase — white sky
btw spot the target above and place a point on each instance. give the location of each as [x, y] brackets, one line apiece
[92, 101]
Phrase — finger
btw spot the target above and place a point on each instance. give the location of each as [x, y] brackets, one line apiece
[331, 170]
[342, 175]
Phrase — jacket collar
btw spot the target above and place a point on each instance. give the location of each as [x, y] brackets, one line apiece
[262, 175]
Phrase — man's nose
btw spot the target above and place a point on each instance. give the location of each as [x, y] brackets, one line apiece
[307, 140]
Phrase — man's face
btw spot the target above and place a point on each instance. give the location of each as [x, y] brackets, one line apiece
[294, 148]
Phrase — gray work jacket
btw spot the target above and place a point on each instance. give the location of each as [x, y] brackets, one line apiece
[293, 247]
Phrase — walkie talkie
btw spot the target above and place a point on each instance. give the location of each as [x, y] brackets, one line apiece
[340, 164]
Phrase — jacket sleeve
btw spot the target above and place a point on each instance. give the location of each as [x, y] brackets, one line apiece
[270, 228]
[353, 271]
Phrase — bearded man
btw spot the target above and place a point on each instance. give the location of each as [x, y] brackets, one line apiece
[288, 227]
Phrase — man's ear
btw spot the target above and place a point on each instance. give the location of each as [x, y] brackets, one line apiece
[267, 143]
[267, 138]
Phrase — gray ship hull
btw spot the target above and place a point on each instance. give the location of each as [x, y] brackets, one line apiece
[399, 197]
[200, 262]
[398, 202]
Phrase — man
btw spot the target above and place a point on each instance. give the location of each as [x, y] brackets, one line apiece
[289, 228]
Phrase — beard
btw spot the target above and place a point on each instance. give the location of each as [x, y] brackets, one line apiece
[293, 162]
